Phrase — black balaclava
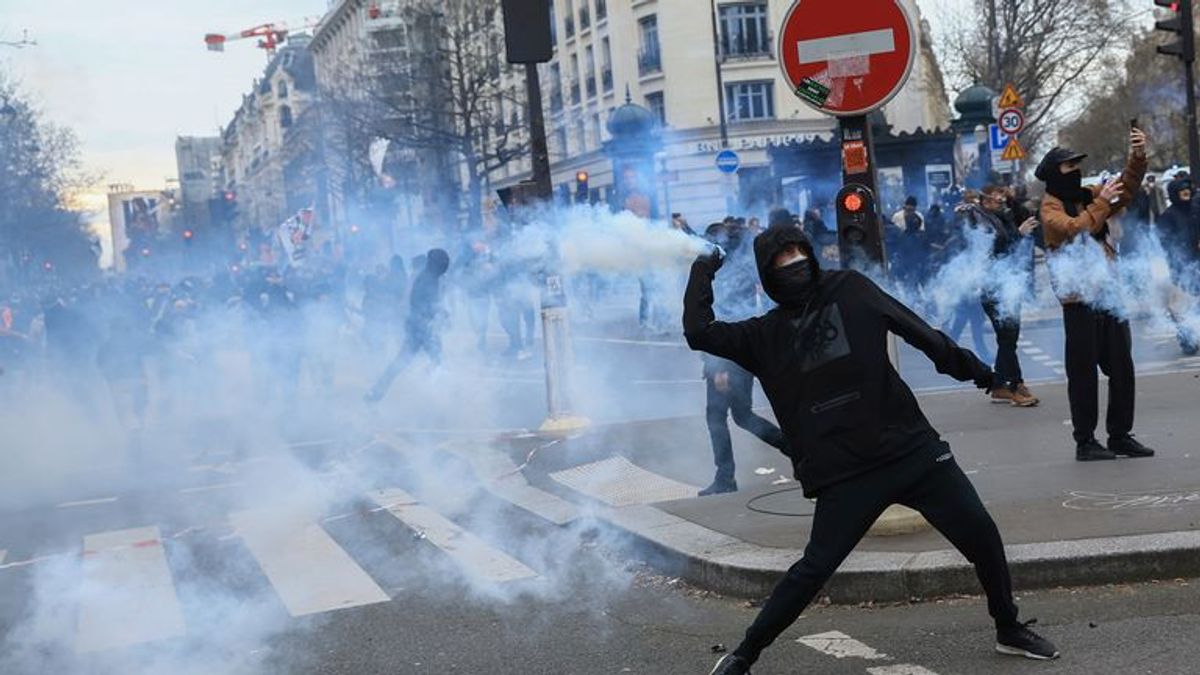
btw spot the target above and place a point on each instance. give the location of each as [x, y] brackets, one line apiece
[1068, 187]
[794, 284]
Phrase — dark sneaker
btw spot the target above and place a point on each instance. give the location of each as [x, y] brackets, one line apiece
[1020, 641]
[1128, 446]
[719, 487]
[1092, 451]
[731, 665]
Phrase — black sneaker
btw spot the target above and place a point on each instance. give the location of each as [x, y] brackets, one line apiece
[1129, 446]
[731, 665]
[719, 487]
[1020, 641]
[1092, 451]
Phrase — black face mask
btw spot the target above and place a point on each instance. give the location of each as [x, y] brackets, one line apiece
[793, 285]
[1068, 187]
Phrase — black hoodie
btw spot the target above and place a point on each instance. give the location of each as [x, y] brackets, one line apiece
[424, 302]
[1179, 225]
[824, 366]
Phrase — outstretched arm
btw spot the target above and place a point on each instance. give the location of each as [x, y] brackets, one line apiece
[946, 355]
[700, 326]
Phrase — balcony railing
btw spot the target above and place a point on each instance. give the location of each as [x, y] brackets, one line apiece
[744, 49]
[590, 86]
[649, 61]
[606, 78]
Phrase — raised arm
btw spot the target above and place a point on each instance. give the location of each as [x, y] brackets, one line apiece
[703, 332]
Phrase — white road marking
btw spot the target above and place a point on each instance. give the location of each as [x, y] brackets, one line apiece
[87, 502]
[1024, 343]
[1032, 350]
[839, 645]
[846, 46]
[307, 568]
[900, 669]
[209, 488]
[654, 382]
[1041, 357]
[128, 595]
[3, 555]
[618, 482]
[643, 343]
[475, 557]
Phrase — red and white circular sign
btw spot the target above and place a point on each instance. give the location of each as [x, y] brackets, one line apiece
[847, 57]
[1012, 121]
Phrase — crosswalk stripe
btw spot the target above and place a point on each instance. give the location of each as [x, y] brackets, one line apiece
[1040, 357]
[474, 556]
[309, 571]
[616, 481]
[900, 669]
[128, 594]
[839, 645]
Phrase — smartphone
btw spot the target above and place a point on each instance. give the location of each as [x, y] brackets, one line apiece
[1133, 123]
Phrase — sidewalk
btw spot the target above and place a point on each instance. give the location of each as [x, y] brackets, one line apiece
[1065, 523]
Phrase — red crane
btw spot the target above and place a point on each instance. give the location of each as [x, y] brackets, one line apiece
[270, 35]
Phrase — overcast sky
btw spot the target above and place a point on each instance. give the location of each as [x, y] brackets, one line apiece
[130, 75]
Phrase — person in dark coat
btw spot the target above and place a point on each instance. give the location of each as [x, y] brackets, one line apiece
[421, 333]
[1179, 231]
[857, 437]
[729, 388]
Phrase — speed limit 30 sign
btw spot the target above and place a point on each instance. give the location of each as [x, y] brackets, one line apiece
[1012, 121]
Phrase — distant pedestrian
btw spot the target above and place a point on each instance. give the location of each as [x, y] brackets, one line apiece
[421, 330]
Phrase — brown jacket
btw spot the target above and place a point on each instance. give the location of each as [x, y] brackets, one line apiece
[1059, 228]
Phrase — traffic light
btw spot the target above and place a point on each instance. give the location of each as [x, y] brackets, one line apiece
[860, 236]
[188, 235]
[581, 187]
[1181, 25]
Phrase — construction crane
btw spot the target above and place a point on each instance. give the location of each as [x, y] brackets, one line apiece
[270, 35]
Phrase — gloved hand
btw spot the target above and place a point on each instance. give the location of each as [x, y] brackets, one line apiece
[713, 259]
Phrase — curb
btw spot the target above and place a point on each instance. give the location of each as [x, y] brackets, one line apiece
[731, 566]
[728, 565]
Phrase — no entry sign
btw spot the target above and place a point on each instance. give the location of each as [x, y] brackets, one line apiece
[846, 57]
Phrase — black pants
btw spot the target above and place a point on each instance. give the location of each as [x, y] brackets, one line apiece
[1097, 338]
[929, 481]
[1008, 332]
[415, 342]
[739, 401]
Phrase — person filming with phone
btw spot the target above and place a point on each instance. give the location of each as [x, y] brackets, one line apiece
[1095, 335]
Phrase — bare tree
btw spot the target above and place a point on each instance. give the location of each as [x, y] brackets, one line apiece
[39, 169]
[436, 90]
[1051, 50]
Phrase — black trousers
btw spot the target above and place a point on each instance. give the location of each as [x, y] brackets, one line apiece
[739, 401]
[1008, 332]
[927, 480]
[1097, 338]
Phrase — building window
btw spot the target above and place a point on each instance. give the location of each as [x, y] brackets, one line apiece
[601, 10]
[560, 140]
[569, 20]
[744, 31]
[581, 134]
[553, 26]
[285, 117]
[650, 56]
[750, 100]
[606, 75]
[657, 103]
[585, 17]
[556, 96]
[597, 130]
[282, 89]
[590, 65]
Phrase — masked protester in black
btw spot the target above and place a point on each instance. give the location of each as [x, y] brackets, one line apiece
[1179, 230]
[420, 327]
[859, 440]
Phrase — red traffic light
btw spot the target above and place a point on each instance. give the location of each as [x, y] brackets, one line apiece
[188, 234]
[852, 202]
[230, 195]
[581, 177]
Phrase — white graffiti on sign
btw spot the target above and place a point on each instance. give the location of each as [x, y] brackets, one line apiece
[1108, 501]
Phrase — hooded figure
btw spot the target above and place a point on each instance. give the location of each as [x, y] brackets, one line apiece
[420, 328]
[856, 436]
[1179, 226]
